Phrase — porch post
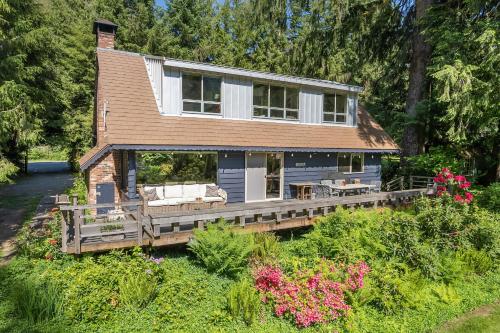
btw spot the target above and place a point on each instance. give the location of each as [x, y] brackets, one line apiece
[132, 175]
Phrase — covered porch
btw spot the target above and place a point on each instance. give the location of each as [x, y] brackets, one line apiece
[249, 174]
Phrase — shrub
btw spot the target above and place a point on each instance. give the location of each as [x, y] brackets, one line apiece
[310, 296]
[243, 301]
[220, 250]
[137, 289]
[36, 301]
[7, 170]
[476, 261]
[266, 246]
[489, 198]
[79, 189]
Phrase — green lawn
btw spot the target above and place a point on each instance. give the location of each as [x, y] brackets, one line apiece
[485, 319]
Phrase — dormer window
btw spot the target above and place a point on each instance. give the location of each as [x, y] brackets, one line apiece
[201, 94]
[275, 102]
[335, 109]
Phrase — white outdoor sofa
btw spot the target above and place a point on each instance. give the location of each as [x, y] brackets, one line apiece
[159, 199]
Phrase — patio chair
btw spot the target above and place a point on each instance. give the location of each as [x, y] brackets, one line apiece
[329, 183]
[378, 186]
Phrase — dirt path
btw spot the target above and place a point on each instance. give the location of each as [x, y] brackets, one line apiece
[16, 200]
[458, 323]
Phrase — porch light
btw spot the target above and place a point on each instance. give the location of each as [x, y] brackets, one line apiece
[372, 157]
[327, 155]
[225, 155]
[310, 156]
[292, 154]
[345, 156]
[249, 154]
[201, 156]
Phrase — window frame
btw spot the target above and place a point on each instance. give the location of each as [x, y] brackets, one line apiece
[268, 108]
[334, 112]
[202, 101]
[350, 163]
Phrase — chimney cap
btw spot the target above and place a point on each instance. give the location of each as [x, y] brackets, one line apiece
[104, 25]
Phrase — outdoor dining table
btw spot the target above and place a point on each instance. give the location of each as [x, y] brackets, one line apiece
[352, 187]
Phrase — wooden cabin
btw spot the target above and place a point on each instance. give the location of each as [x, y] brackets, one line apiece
[268, 131]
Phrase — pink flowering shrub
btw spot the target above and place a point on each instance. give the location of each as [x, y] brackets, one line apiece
[454, 185]
[309, 296]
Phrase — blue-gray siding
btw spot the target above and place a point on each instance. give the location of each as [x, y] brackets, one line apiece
[314, 167]
[231, 175]
[298, 168]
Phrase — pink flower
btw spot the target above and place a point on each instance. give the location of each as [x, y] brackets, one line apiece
[449, 176]
[458, 198]
[445, 170]
[439, 179]
[464, 185]
[460, 178]
[468, 197]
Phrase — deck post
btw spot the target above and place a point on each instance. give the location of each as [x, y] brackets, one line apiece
[292, 214]
[64, 234]
[258, 218]
[138, 215]
[199, 224]
[77, 217]
[176, 227]
[240, 220]
[277, 217]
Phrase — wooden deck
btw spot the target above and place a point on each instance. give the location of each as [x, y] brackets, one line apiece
[82, 234]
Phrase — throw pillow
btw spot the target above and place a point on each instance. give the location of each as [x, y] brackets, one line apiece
[151, 194]
[212, 191]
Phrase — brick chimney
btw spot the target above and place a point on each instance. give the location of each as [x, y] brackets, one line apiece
[105, 32]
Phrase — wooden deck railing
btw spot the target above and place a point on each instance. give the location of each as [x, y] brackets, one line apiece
[86, 230]
[85, 224]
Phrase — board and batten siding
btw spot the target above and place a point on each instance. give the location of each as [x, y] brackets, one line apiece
[306, 167]
[155, 73]
[237, 97]
[310, 107]
[231, 175]
[172, 92]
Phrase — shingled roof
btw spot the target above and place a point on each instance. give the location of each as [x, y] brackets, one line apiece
[133, 119]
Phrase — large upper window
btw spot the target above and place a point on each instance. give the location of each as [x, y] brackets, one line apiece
[275, 102]
[334, 109]
[350, 162]
[200, 93]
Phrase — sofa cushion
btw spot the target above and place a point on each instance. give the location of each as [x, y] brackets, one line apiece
[158, 189]
[191, 191]
[212, 199]
[172, 191]
[170, 202]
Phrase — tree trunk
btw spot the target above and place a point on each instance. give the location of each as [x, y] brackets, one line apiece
[420, 56]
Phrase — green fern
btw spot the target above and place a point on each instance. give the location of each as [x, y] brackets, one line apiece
[243, 301]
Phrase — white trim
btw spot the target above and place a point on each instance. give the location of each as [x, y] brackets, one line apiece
[335, 113]
[350, 163]
[281, 121]
[202, 102]
[202, 67]
[282, 176]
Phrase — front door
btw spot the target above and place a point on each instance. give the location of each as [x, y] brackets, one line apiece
[263, 176]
